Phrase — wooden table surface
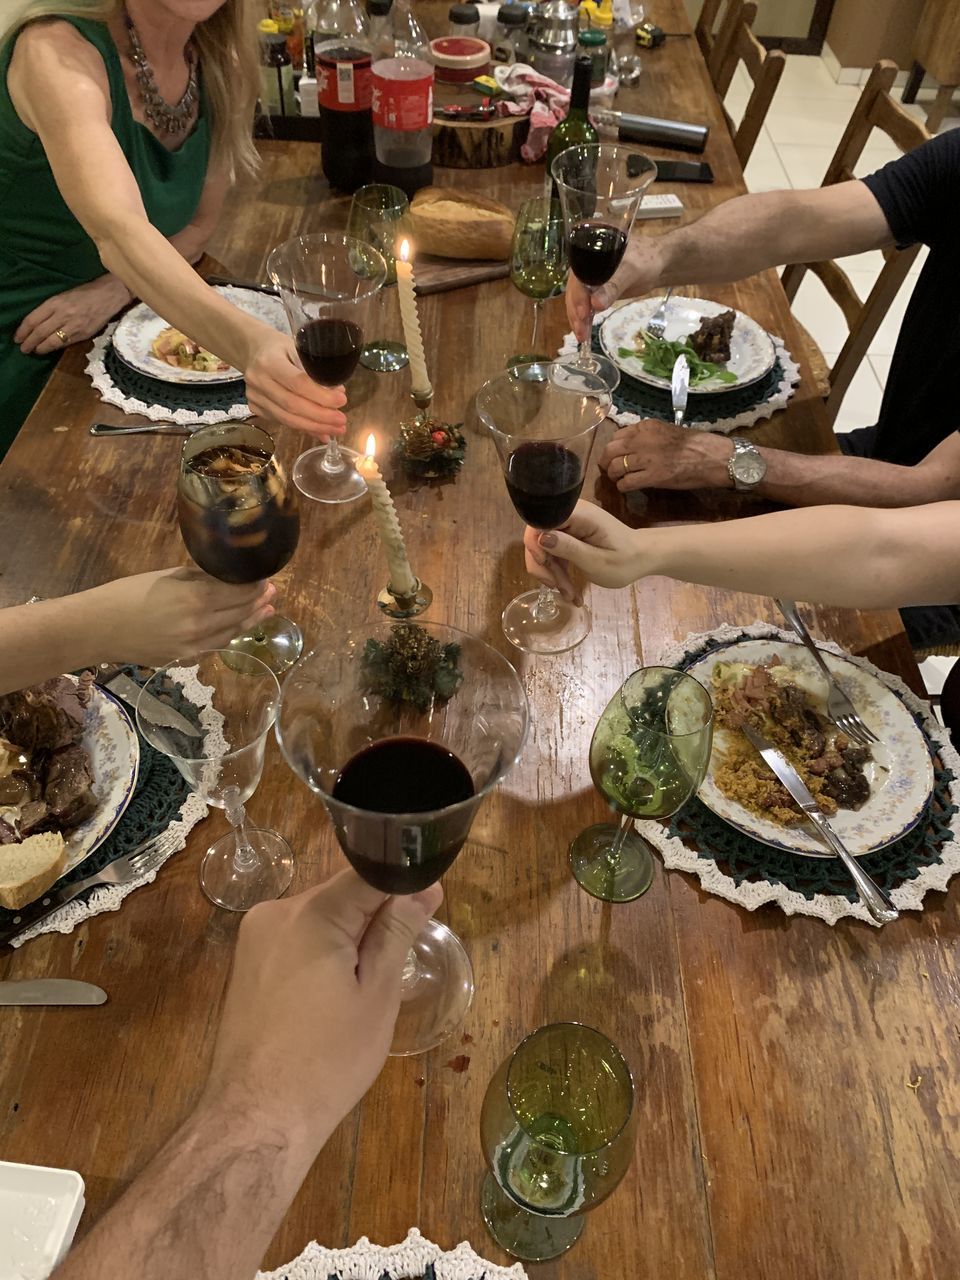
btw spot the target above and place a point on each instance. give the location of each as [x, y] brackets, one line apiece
[777, 1132]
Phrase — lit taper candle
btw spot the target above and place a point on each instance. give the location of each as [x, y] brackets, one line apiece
[402, 581]
[420, 381]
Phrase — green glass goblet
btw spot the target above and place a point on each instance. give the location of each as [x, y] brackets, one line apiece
[538, 263]
[380, 217]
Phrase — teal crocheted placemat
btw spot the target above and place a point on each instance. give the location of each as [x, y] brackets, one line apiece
[171, 395]
[637, 397]
[744, 859]
[161, 790]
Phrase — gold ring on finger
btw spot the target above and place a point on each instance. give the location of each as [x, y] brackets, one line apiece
[59, 333]
[626, 463]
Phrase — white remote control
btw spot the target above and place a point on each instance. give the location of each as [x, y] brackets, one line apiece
[660, 207]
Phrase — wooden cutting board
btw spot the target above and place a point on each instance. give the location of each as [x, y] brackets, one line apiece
[439, 275]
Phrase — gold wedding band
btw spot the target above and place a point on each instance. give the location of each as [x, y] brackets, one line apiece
[626, 463]
[58, 333]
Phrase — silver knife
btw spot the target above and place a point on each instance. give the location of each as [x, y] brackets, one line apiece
[257, 285]
[680, 389]
[871, 895]
[50, 991]
[128, 691]
[145, 429]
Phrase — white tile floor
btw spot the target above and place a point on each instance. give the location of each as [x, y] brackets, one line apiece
[803, 126]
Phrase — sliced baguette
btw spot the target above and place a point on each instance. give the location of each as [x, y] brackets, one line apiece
[455, 224]
[30, 868]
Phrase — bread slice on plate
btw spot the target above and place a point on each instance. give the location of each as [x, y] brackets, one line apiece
[30, 868]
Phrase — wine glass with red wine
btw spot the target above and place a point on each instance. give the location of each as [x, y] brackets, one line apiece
[240, 521]
[402, 729]
[601, 187]
[543, 422]
[328, 283]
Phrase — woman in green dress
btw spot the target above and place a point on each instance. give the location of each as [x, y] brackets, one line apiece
[121, 127]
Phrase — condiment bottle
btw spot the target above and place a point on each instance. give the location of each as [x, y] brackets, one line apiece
[464, 20]
[276, 71]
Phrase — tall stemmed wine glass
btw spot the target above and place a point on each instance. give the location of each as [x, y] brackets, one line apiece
[212, 716]
[328, 283]
[538, 262]
[402, 729]
[240, 521]
[648, 756]
[601, 186]
[380, 216]
[543, 423]
[558, 1128]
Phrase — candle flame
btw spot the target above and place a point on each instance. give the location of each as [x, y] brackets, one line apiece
[371, 449]
[404, 250]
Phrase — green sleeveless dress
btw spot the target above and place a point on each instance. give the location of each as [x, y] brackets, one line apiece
[43, 249]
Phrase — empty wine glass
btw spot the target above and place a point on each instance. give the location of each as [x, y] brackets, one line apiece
[543, 422]
[211, 715]
[240, 521]
[379, 216]
[402, 729]
[601, 186]
[558, 1131]
[328, 283]
[538, 262]
[648, 756]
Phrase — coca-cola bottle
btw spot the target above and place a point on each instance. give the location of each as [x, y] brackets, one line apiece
[344, 85]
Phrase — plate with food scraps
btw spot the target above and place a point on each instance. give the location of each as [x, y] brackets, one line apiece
[872, 798]
[96, 773]
[731, 350]
[147, 343]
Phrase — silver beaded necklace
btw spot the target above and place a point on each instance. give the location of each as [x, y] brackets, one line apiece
[175, 119]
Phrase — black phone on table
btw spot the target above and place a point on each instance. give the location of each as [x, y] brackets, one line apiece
[683, 171]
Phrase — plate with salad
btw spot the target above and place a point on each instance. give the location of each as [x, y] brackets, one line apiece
[725, 349]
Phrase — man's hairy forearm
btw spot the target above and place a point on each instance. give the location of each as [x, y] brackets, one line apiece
[802, 480]
[206, 1206]
[856, 557]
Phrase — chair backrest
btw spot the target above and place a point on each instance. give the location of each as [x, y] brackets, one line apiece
[707, 25]
[736, 43]
[876, 109]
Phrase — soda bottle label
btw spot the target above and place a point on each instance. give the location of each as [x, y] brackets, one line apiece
[344, 85]
[404, 105]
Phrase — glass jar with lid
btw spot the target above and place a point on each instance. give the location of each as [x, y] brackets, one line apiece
[464, 20]
[594, 42]
[510, 39]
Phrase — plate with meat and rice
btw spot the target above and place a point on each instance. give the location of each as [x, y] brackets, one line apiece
[872, 797]
[65, 769]
[725, 349]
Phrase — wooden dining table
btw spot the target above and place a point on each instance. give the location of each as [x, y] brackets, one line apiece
[797, 1086]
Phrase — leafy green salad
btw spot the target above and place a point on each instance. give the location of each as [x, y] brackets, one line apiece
[659, 357]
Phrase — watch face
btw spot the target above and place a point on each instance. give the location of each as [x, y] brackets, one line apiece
[750, 470]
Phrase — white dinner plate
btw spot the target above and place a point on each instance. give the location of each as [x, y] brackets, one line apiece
[113, 748]
[900, 774]
[752, 350]
[134, 336]
[39, 1212]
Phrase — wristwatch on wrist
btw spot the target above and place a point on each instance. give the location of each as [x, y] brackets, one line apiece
[746, 465]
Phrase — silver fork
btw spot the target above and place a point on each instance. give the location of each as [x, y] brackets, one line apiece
[146, 857]
[839, 707]
[657, 323]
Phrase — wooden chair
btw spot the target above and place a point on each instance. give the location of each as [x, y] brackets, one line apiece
[705, 30]
[736, 43]
[876, 109]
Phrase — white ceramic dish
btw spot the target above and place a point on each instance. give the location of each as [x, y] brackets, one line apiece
[134, 336]
[39, 1212]
[752, 350]
[900, 775]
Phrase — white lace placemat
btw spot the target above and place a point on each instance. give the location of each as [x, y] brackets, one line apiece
[406, 1261]
[829, 907]
[110, 393]
[723, 426]
[193, 810]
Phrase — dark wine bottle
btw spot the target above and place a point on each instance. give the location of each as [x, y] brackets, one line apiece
[575, 127]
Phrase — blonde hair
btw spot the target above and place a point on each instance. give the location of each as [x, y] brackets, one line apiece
[229, 58]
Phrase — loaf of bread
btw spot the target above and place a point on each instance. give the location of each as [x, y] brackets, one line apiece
[453, 224]
[29, 869]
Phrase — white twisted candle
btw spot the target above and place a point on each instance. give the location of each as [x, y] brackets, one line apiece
[419, 378]
[401, 579]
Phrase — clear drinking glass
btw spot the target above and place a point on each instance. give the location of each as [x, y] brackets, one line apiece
[328, 284]
[601, 186]
[380, 216]
[538, 262]
[543, 422]
[240, 521]
[648, 756]
[558, 1131]
[228, 702]
[402, 729]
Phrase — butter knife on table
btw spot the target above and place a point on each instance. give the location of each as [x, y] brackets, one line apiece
[50, 991]
[144, 429]
[116, 680]
[871, 895]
